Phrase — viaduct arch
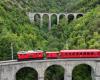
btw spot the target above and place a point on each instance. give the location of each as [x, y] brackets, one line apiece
[56, 69]
[68, 16]
[19, 74]
[9, 69]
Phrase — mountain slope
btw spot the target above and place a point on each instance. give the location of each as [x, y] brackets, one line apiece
[16, 28]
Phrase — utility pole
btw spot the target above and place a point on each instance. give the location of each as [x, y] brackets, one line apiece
[12, 51]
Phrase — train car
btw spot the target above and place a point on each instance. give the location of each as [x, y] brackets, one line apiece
[63, 54]
[52, 55]
[37, 54]
[25, 55]
[22, 55]
[80, 53]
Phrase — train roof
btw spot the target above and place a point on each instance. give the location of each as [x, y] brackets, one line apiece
[84, 50]
[52, 52]
[31, 51]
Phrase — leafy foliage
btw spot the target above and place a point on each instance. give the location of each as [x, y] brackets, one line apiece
[54, 72]
[82, 72]
[16, 29]
[31, 74]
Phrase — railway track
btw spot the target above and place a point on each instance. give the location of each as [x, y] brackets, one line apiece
[69, 59]
[8, 61]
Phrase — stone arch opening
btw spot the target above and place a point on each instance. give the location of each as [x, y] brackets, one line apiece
[37, 19]
[53, 19]
[82, 72]
[27, 73]
[62, 17]
[79, 15]
[54, 72]
[70, 17]
[45, 22]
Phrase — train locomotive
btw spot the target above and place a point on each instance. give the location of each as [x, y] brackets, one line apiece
[62, 54]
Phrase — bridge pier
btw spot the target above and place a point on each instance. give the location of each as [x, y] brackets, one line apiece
[40, 78]
[57, 19]
[67, 73]
[41, 20]
[68, 78]
[97, 78]
[75, 16]
[49, 23]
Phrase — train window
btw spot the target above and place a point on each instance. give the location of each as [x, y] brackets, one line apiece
[88, 53]
[69, 53]
[80, 53]
[66, 53]
[72, 53]
[84, 53]
[92, 53]
[76, 53]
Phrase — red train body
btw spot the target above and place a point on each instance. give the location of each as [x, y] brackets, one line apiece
[23, 55]
[79, 53]
[52, 55]
[63, 54]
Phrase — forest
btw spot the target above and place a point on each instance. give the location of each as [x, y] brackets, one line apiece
[17, 30]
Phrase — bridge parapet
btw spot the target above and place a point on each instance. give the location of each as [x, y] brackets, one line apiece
[8, 69]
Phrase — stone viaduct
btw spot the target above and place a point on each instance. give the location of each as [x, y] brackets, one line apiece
[41, 15]
[8, 69]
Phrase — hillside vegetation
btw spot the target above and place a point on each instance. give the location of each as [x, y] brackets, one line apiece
[16, 29]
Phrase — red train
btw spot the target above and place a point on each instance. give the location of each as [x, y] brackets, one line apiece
[63, 54]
